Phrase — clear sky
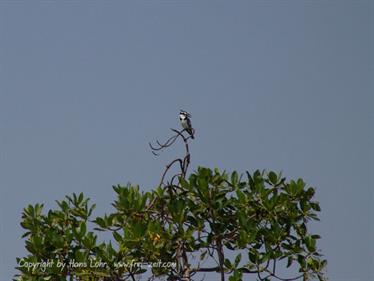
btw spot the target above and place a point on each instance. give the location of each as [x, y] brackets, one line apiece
[282, 85]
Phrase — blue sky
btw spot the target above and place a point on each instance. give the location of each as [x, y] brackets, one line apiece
[282, 85]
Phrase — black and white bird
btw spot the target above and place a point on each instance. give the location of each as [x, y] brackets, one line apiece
[184, 118]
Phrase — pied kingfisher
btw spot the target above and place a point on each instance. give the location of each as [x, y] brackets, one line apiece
[184, 118]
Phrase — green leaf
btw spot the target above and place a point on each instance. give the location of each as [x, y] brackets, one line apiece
[240, 195]
[184, 184]
[91, 209]
[83, 229]
[315, 206]
[80, 198]
[253, 256]
[309, 193]
[202, 183]
[238, 259]
[273, 177]
[310, 243]
[234, 178]
[228, 264]
[100, 222]
[301, 260]
[117, 236]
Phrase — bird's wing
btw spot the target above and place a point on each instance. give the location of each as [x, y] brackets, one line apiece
[189, 123]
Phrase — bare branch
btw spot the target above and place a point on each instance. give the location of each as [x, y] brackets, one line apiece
[183, 162]
[168, 167]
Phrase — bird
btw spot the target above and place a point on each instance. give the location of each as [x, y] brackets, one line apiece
[184, 118]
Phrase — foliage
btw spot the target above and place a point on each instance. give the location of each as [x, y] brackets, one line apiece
[248, 225]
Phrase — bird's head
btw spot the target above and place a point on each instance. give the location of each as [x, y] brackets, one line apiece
[184, 114]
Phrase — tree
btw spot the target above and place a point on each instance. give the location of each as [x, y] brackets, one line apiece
[241, 225]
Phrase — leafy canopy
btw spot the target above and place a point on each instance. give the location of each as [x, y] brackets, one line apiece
[241, 224]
